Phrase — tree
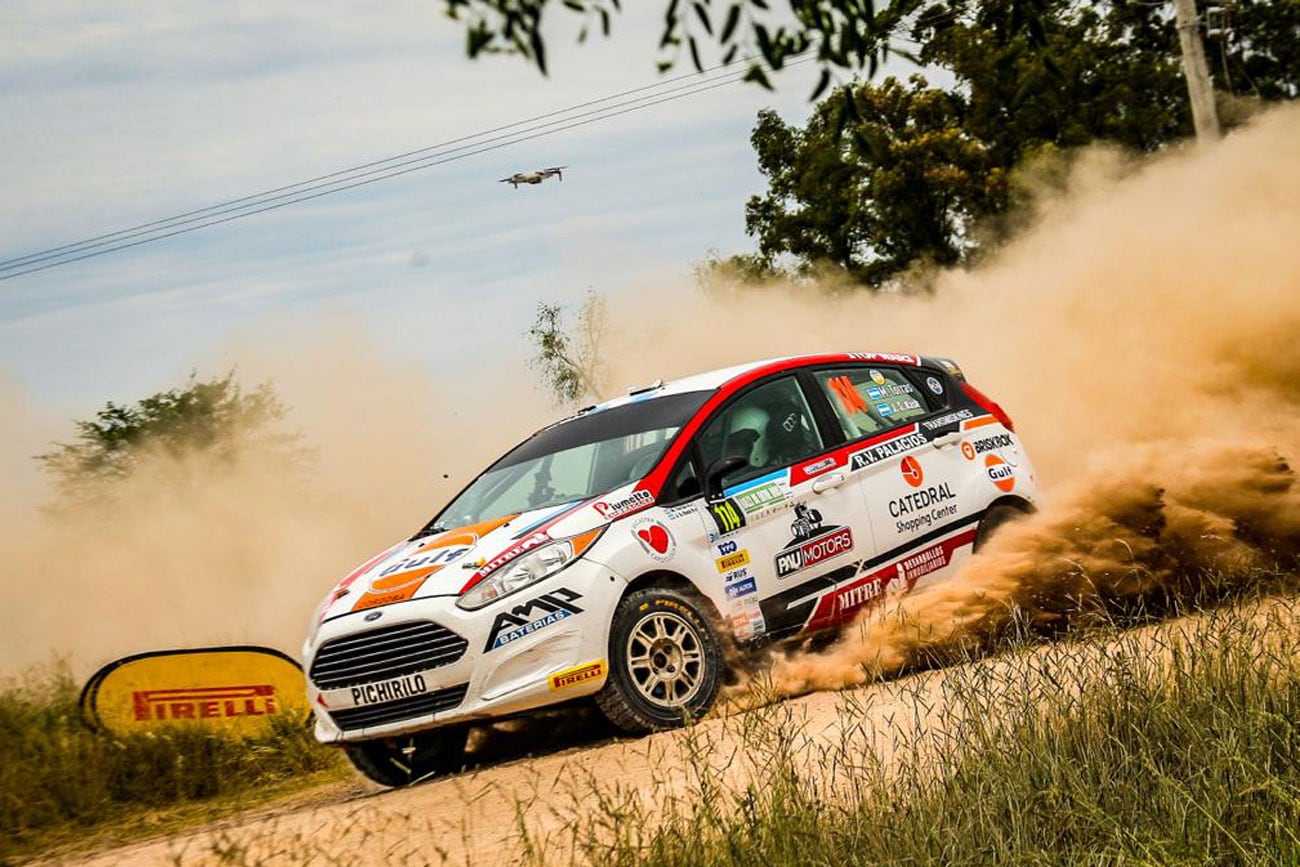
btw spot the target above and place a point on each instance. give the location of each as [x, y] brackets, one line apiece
[1254, 48]
[569, 364]
[856, 35]
[216, 418]
[905, 186]
[1259, 40]
[891, 176]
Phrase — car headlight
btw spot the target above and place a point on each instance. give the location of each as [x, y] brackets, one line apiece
[519, 573]
[527, 569]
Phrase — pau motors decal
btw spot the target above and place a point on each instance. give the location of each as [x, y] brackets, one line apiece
[531, 616]
[813, 542]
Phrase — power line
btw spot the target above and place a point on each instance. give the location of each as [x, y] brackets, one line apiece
[367, 173]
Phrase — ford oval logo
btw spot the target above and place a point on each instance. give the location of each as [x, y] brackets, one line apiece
[374, 615]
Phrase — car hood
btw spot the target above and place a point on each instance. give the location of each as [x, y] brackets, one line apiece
[445, 564]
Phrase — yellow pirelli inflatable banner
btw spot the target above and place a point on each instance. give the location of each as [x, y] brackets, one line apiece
[237, 690]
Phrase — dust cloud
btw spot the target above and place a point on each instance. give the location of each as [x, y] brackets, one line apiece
[193, 550]
[1140, 333]
[1142, 336]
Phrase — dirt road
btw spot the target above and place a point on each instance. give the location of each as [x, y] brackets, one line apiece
[618, 788]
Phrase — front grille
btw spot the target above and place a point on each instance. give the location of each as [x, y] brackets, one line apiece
[353, 718]
[382, 654]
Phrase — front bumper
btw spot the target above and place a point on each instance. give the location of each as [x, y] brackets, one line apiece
[425, 663]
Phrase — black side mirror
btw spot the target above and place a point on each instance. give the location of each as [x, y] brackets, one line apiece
[717, 470]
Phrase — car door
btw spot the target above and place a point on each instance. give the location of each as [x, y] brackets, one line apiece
[909, 473]
[788, 525]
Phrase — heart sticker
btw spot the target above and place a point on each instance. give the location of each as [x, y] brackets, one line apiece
[656, 540]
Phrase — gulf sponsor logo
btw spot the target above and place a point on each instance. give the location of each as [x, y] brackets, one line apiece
[407, 569]
[1000, 473]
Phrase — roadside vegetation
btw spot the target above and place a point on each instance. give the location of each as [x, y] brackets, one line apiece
[61, 781]
[1173, 745]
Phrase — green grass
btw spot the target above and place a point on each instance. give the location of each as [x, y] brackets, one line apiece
[1178, 749]
[60, 780]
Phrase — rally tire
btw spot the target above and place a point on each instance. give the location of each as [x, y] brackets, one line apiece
[404, 761]
[665, 661]
[996, 517]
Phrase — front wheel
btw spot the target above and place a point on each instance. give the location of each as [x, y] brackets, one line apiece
[410, 759]
[665, 661]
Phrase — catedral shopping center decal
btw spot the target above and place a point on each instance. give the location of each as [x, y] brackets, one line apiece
[927, 506]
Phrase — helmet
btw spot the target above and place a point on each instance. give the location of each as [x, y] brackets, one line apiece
[789, 433]
[747, 435]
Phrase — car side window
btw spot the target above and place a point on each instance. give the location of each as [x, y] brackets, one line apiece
[771, 426]
[682, 485]
[870, 399]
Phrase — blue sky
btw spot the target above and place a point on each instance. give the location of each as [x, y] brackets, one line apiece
[121, 113]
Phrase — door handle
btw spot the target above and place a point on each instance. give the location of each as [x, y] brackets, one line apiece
[946, 440]
[825, 483]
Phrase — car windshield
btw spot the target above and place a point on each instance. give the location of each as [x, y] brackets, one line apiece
[574, 460]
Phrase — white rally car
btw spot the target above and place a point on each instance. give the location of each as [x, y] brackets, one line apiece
[615, 555]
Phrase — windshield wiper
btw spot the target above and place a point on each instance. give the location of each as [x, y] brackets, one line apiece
[430, 529]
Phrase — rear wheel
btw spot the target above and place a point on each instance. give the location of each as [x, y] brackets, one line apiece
[997, 516]
[665, 661]
[412, 758]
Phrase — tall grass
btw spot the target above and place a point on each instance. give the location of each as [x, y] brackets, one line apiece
[58, 775]
[1179, 746]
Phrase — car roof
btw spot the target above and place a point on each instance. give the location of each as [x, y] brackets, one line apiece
[712, 380]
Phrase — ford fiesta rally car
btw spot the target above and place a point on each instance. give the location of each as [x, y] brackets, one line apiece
[614, 555]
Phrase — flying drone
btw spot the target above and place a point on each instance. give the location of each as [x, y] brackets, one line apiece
[534, 177]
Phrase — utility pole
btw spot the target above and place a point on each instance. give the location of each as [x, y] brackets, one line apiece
[1204, 115]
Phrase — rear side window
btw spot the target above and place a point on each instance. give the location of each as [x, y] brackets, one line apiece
[866, 400]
